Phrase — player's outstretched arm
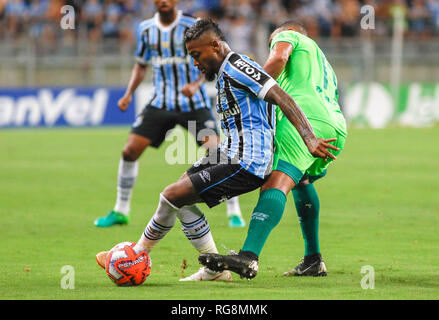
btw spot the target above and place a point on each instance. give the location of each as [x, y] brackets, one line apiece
[317, 147]
[137, 76]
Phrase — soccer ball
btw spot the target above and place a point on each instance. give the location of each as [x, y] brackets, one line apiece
[128, 264]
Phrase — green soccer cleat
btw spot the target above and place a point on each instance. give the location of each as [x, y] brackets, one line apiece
[112, 219]
[236, 221]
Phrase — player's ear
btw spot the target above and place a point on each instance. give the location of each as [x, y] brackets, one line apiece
[215, 44]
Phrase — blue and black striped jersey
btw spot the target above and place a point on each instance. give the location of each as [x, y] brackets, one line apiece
[163, 47]
[247, 121]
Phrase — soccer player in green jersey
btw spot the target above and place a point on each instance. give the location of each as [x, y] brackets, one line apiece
[301, 69]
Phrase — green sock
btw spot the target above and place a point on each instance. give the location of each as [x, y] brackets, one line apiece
[308, 206]
[265, 217]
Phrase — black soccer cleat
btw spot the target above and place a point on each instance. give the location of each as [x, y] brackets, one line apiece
[312, 265]
[239, 263]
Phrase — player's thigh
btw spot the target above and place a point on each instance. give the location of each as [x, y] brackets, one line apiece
[153, 124]
[291, 155]
[202, 125]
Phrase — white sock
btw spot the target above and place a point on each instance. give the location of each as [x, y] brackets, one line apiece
[160, 224]
[233, 207]
[127, 176]
[196, 228]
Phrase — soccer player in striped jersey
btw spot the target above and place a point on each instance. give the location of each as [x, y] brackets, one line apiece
[242, 162]
[179, 97]
[301, 69]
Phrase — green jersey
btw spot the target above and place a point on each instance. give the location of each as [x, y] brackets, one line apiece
[309, 79]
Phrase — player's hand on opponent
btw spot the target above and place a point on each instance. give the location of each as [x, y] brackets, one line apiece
[124, 102]
[189, 89]
[319, 148]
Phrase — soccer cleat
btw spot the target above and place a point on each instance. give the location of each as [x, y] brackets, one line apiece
[101, 258]
[204, 274]
[312, 265]
[236, 221]
[112, 219]
[238, 263]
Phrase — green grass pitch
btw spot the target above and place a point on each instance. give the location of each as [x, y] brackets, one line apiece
[379, 207]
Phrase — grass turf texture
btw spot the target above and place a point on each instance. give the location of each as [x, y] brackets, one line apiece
[379, 207]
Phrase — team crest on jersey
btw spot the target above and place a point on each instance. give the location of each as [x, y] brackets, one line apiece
[222, 97]
[138, 121]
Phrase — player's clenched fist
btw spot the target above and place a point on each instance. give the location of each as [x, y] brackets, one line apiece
[124, 102]
[189, 89]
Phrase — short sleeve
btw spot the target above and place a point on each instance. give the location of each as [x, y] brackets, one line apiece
[249, 75]
[285, 36]
[143, 54]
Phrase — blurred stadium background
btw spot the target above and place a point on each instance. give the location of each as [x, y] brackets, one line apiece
[387, 71]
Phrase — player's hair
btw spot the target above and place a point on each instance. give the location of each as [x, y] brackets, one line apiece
[292, 24]
[202, 26]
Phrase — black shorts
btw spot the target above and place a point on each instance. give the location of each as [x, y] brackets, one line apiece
[154, 124]
[222, 179]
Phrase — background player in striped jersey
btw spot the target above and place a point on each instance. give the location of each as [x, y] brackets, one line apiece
[302, 70]
[244, 158]
[179, 97]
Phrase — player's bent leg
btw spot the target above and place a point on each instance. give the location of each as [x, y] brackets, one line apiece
[195, 226]
[234, 214]
[307, 205]
[127, 175]
[265, 217]
[268, 211]
[159, 225]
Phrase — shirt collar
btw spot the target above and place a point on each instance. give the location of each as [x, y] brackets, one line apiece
[169, 27]
[223, 65]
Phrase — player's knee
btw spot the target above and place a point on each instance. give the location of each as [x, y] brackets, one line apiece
[304, 181]
[172, 193]
[179, 193]
[130, 153]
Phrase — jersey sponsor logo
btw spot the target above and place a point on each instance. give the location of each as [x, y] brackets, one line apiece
[170, 60]
[248, 69]
[229, 113]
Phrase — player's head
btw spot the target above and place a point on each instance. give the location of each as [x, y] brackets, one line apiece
[165, 6]
[293, 25]
[205, 42]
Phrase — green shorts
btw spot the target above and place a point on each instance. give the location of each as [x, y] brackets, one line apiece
[291, 155]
